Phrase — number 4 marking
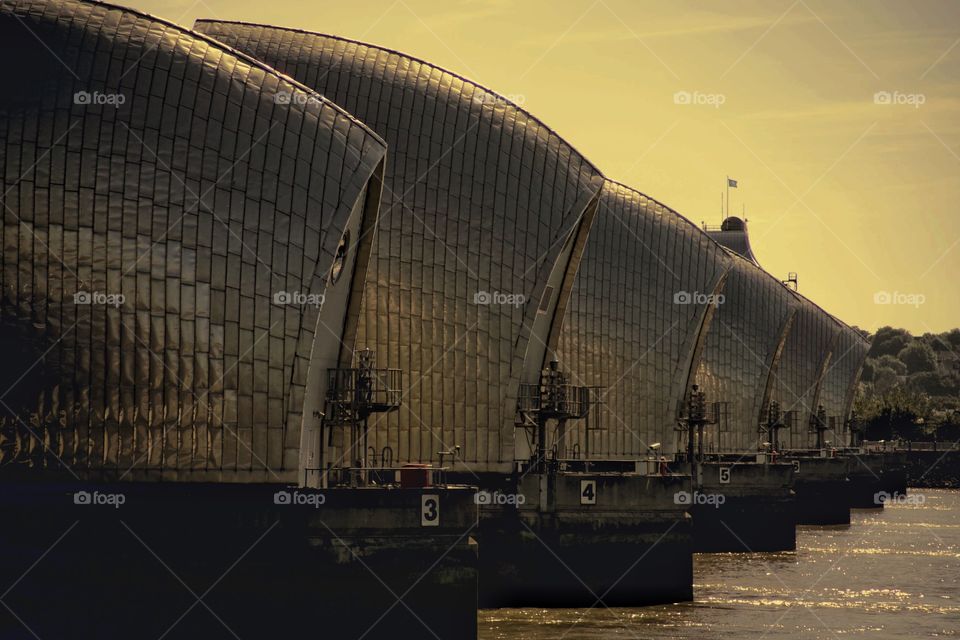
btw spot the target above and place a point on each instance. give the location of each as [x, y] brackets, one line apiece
[430, 510]
[588, 492]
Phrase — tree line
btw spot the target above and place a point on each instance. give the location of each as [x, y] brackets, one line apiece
[910, 386]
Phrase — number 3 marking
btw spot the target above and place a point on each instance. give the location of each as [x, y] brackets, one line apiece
[430, 510]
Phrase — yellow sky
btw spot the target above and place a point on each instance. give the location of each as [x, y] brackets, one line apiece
[859, 198]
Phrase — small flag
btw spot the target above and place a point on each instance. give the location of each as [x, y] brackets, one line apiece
[731, 183]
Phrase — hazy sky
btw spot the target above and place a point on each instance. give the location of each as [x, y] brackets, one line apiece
[858, 193]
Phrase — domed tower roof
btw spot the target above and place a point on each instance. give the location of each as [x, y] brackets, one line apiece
[732, 234]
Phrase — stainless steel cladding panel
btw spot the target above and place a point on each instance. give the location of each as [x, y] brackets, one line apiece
[158, 197]
[741, 352]
[805, 359]
[479, 203]
[640, 298]
[840, 382]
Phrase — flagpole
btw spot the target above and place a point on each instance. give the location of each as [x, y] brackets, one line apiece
[727, 214]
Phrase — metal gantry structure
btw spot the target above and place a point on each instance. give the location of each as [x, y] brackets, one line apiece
[771, 427]
[693, 422]
[819, 426]
[353, 395]
[552, 398]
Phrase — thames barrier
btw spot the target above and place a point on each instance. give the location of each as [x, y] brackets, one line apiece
[309, 302]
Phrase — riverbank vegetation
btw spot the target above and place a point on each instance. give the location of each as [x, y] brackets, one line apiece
[910, 387]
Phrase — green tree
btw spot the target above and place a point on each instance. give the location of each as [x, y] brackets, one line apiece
[889, 341]
[934, 384]
[918, 356]
[885, 380]
[938, 343]
[894, 363]
[953, 337]
[949, 427]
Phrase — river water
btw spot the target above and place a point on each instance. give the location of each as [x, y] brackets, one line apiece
[891, 574]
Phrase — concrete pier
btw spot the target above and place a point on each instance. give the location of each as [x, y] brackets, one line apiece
[577, 539]
[894, 476]
[142, 560]
[821, 487]
[935, 465]
[865, 473]
[744, 506]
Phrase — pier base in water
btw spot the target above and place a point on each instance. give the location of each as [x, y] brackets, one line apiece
[821, 488]
[586, 539]
[866, 486]
[744, 507]
[894, 476]
[210, 561]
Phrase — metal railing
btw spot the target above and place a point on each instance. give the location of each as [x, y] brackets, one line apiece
[562, 400]
[911, 445]
[355, 393]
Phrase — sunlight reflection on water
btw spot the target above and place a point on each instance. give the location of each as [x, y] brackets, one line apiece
[892, 574]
